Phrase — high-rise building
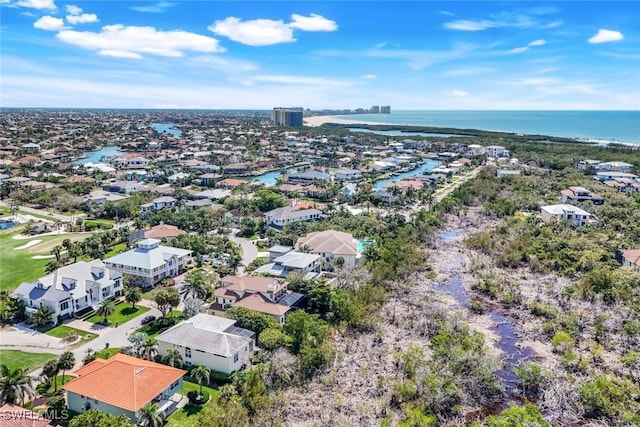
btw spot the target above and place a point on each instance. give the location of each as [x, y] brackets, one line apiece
[287, 116]
[385, 109]
[375, 109]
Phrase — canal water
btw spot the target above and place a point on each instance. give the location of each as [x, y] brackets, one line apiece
[426, 166]
[167, 128]
[508, 342]
[96, 156]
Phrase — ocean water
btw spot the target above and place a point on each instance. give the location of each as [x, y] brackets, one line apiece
[168, 128]
[605, 126]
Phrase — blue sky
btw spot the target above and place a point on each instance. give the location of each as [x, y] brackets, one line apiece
[320, 54]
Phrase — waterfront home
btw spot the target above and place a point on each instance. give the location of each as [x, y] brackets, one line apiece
[631, 258]
[580, 194]
[126, 187]
[347, 175]
[308, 177]
[123, 385]
[208, 179]
[231, 183]
[562, 212]
[280, 217]
[237, 169]
[211, 341]
[71, 288]
[150, 262]
[614, 175]
[331, 245]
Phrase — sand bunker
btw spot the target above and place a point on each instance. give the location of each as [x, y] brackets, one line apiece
[28, 244]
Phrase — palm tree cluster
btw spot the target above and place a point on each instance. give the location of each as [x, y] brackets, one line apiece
[142, 346]
[16, 386]
[52, 368]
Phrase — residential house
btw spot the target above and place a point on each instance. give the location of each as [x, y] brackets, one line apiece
[281, 265]
[17, 416]
[308, 177]
[615, 166]
[507, 172]
[160, 231]
[614, 175]
[562, 212]
[123, 385]
[580, 194]
[209, 179]
[347, 175]
[496, 151]
[149, 262]
[71, 288]
[279, 217]
[126, 187]
[156, 205]
[211, 341]
[331, 245]
[348, 191]
[631, 258]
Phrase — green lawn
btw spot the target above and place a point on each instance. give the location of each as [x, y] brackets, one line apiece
[181, 418]
[122, 314]
[18, 359]
[17, 266]
[106, 353]
[63, 331]
[115, 250]
[59, 382]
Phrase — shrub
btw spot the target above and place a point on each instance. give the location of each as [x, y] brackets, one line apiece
[476, 307]
[197, 399]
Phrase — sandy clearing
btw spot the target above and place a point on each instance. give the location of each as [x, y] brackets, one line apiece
[28, 244]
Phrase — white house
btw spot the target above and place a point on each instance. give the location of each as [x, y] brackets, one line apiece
[279, 217]
[149, 262]
[210, 341]
[556, 213]
[123, 385]
[496, 151]
[331, 245]
[284, 263]
[157, 204]
[71, 288]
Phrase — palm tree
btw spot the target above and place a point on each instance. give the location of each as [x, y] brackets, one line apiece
[56, 251]
[66, 361]
[150, 416]
[106, 309]
[148, 349]
[42, 316]
[173, 358]
[195, 285]
[16, 386]
[132, 295]
[50, 370]
[200, 374]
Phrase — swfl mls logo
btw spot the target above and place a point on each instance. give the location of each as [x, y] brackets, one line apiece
[28, 415]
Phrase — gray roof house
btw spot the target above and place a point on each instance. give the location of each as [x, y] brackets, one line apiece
[149, 262]
[71, 288]
[284, 263]
[211, 341]
[279, 217]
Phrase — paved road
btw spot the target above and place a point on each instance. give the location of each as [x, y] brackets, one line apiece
[249, 250]
[116, 337]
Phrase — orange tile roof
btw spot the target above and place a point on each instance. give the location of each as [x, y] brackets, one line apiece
[255, 302]
[123, 381]
[163, 230]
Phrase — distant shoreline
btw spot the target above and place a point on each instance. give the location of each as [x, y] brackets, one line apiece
[315, 121]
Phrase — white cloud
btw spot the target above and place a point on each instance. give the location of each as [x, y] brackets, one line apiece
[368, 76]
[300, 80]
[131, 42]
[458, 93]
[212, 62]
[160, 7]
[465, 25]
[266, 32]
[539, 42]
[518, 50]
[313, 22]
[73, 10]
[37, 4]
[49, 23]
[500, 20]
[606, 36]
[257, 32]
[84, 18]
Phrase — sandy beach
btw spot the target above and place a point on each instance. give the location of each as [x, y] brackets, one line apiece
[314, 121]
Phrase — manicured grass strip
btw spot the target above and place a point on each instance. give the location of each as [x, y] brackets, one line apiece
[115, 250]
[19, 359]
[122, 314]
[59, 382]
[63, 331]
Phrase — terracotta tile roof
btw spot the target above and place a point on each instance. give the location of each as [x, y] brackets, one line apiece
[632, 256]
[257, 303]
[163, 230]
[253, 283]
[123, 381]
[16, 416]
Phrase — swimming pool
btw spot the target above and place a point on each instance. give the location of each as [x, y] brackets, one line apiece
[363, 243]
[7, 224]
